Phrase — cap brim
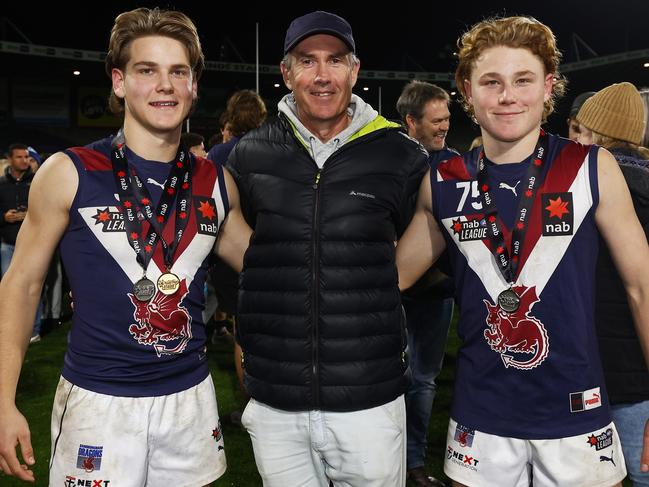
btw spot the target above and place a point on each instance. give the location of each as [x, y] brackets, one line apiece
[318, 31]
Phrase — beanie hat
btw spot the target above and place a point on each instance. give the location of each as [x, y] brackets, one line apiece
[34, 153]
[617, 111]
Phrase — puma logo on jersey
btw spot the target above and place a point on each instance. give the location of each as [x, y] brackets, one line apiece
[511, 188]
[153, 181]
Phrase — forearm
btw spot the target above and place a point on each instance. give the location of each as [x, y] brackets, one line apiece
[17, 310]
[639, 303]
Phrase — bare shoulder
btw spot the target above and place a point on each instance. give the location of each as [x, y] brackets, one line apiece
[55, 184]
[231, 187]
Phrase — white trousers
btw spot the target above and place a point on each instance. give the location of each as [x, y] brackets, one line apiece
[365, 448]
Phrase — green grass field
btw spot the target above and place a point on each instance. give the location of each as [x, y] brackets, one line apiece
[41, 371]
[40, 375]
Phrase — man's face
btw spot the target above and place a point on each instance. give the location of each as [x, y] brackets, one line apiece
[573, 129]
[198, 150]
[19, 160]
[507, 89]
[321, 78]
[157, 85]
[431, 129]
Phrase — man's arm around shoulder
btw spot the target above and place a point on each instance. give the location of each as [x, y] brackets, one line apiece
[50, 198]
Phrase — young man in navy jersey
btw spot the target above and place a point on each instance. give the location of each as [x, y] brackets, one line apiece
[520, 219]
[137, 218]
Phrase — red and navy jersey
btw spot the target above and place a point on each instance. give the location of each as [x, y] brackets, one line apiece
[534, 373]
[119, 345]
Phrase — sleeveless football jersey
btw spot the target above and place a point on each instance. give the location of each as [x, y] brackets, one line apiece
[534, 373]
[119, 345]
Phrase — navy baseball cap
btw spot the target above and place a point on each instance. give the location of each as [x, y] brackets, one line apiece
[34, 153]
[578, 102]
[318, 22]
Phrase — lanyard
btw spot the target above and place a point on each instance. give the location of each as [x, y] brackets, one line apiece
[507, 265]
[136, 206]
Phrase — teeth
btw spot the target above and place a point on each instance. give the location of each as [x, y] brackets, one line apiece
[165, 103]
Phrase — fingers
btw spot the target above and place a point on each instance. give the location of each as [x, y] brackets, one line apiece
[644, 458]
[26, 449]
[11, 466]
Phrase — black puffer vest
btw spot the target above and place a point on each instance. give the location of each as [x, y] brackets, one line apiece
[319, 315]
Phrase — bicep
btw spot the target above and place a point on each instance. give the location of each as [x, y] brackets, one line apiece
[618, 223]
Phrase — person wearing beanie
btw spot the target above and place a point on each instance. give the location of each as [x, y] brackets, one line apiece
[573, 125]
[615, 118]
[520, 219]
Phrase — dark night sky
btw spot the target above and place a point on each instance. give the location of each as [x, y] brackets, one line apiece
[416, 37]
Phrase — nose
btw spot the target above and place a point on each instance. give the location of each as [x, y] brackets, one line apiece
[164, 83]
[507, 96]
[444, 125]
[322, 74]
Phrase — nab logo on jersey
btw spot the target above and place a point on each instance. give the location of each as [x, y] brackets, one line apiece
[206, 218]
[557, 214]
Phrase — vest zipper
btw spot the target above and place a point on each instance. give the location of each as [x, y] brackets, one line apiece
[315, 283]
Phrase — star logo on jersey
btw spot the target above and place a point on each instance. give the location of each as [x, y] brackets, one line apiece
[519, 334]
[111, 221]
[206, 216]
[474, 229]
[557, 217]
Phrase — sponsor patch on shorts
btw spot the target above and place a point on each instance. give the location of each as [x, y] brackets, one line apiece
[89, 458]
[464, 435]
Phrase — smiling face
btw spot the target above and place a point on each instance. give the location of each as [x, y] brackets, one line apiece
[321, 76]
[157, 85]
[507, 89]
[431, 129]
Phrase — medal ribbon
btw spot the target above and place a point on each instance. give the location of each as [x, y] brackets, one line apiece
[509, 266]
[136, 202]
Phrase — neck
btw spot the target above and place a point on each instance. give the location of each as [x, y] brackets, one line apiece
[327, 130]
[151, 146]
[503, 152]
[17, 174]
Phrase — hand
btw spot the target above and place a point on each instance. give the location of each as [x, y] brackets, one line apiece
[15, 431]
[644, 457]
[13, 216]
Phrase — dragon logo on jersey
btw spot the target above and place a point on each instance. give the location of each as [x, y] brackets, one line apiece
[162, 319]
[517, 333]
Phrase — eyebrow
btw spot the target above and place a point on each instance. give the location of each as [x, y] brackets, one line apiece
[525, 72]
[151, 64]
[311, 54]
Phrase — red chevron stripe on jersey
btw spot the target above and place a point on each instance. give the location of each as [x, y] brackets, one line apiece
[92, 160]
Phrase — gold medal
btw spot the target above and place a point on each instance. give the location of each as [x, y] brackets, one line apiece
[168, 283]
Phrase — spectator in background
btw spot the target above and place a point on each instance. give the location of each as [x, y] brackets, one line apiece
[195, 143]
[429, 303]
[476, 142]
[644, 94]
[14, 194]
[573, 125]
[245, 111]
[35, 159]
[615, 117]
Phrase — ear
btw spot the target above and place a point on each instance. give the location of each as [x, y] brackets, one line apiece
[410, 124]
[467, 91]
[285, 76]
[547, 86]
[117, 77]
[355, 68]
[194, 88]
